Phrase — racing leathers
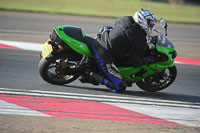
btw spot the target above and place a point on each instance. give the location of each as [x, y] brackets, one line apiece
[112, 44]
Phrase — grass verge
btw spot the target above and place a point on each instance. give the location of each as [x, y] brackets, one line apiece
[106, 8]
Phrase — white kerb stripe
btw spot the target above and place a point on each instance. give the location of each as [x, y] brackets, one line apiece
[23, 45]
[9, 108]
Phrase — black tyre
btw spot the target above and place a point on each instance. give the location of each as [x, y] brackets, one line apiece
[159, 81]
[51, 69]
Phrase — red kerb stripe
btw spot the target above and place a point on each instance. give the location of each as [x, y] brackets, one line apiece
[75, 108]
[7, 46]
[187, 60]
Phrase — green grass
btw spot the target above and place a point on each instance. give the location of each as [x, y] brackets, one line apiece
[106, 8]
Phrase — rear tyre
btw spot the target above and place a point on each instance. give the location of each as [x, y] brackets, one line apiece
[159, 81]
[51, 69]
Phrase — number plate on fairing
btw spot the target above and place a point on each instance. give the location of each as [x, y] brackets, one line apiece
[46, 49]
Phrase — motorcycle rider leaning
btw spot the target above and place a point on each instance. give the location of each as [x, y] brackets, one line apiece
[129, 35]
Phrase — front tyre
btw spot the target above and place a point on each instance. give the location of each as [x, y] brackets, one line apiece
[159, 80]
[51, 69]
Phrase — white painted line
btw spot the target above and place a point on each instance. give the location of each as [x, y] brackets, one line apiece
[9, 108]
[23, 45]
[101, 98]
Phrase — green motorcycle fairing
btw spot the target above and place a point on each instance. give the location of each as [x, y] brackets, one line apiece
[163, 45]
[126, 72]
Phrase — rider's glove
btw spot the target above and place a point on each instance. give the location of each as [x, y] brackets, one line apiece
[151, 45]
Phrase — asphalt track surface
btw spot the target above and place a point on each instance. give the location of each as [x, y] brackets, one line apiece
[18, 68]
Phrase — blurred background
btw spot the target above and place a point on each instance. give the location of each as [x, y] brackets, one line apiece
[177, 11]
[190, 2]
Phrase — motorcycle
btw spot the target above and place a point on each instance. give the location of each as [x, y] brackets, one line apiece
[66, 56]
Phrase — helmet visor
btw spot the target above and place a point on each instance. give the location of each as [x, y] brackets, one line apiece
[150, 26]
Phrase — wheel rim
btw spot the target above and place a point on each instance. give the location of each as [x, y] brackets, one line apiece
[158, 81]
[56, 68]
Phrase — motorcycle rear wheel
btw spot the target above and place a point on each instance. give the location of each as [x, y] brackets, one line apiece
[50, 70]
[159, 81]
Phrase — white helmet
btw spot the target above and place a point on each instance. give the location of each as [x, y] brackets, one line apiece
[146, 19]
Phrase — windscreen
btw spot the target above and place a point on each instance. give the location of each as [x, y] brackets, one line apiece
[164, 42]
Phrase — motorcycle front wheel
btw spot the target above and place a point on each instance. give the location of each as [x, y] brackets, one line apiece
[159, 80]
[51, 69]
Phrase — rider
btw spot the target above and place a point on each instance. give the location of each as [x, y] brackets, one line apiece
[129, 35]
